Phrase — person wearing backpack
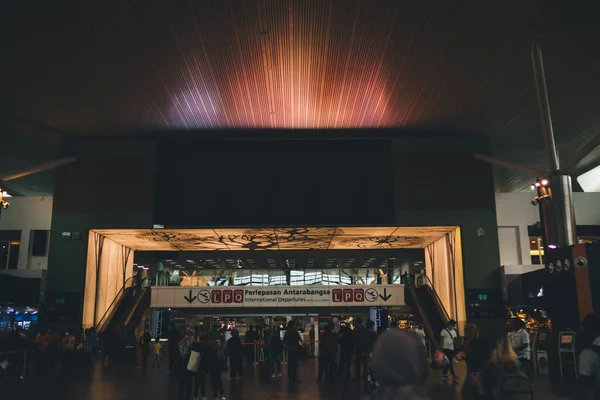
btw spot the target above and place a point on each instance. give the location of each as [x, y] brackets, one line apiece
[185, 376]
[449, 338]
[503, 378]
[589, 359]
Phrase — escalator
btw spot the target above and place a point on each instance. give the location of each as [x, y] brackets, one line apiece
[127, 308]
[428, 310]
[141, 304]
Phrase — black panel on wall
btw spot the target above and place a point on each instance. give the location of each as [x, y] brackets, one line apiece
[39, 242]
[274, 183]
[437, 180]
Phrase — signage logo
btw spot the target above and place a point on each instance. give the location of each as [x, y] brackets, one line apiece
[204, 296]
[371, 295]
[347, 295]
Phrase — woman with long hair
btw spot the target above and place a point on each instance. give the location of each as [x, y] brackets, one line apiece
[503, 372]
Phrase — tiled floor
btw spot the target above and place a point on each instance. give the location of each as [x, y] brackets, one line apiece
[153, 384]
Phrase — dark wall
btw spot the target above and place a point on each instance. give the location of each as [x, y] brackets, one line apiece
[408, 181]
[275, 183]
[111, 185]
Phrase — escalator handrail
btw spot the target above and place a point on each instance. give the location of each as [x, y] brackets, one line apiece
[136, 304]
[438, 301]
[432, 335]
[104, 320]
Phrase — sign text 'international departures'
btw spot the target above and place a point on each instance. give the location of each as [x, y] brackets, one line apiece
[280, 296]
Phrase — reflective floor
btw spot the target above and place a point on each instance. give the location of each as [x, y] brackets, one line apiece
[153, 384]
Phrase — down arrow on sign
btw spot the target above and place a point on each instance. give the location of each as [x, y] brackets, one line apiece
[191, 298]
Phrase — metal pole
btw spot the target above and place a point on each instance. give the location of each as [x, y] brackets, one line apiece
[557, 208]
[544, 106]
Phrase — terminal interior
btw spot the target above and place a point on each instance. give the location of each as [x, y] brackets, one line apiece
[192, 169]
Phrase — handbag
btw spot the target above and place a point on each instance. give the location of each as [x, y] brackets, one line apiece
[194, 362]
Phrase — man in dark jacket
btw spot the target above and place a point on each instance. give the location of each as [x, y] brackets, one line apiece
[251, 338]
[346, 349]
[234, 351]
[292, 342]
[174, 338]
[361, 348]
[145, 342]
[327, 352]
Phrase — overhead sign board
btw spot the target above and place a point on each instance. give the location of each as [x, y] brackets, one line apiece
[277, 296]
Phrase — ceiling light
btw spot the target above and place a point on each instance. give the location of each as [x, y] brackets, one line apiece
[5, 194]
[551, 246]
[544, 182]
[537, 184]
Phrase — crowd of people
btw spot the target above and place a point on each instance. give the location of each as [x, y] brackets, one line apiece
[391, 364]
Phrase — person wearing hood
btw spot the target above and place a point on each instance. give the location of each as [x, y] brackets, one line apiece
[398, 367]
[234, 351]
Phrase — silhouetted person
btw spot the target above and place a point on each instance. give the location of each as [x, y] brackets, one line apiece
[346, 349]
[274, 351]
[361, 346]
[145, 344]
[293, 343]
[174, 338]
[234, 352]
[327, 352]
[251, 338]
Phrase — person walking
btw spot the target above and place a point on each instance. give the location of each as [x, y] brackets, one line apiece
[361, 351]
[274, 351]
[234, 351]
[293, 343]
[519, 339]
[68, 353]
[327, 352]
[156, 353]
[346, 342]
[145, 342]
[250, 339]
[213, 364]
[185, 377]
[40, 347]
[311, 339]
[174, 338]
[449, 338]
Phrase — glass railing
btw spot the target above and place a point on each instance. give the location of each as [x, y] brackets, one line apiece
[265, 277]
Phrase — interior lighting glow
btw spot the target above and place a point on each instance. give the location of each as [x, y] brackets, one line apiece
[5, 194]
[551, 246]
[544, 182]
[537, 184]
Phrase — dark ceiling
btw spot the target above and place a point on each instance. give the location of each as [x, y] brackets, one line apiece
[134, 67]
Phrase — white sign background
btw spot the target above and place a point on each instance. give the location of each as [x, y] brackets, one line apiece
[277, 296]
